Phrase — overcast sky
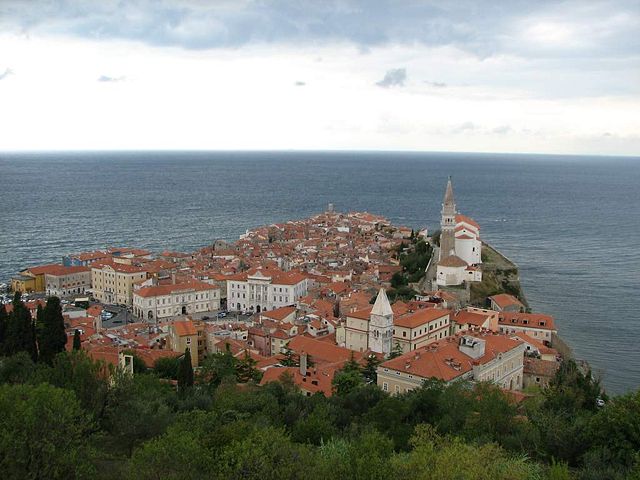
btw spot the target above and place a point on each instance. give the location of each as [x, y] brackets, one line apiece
[512, 76]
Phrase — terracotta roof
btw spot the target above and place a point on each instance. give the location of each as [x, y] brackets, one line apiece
[184, 328]
[118, 267]
[464, 317]
[543, 368]
[445, 361]
[529, 320]
[504, 300]
[420, 317]
[157, 290]
[463, 218]
[321, 351]
[452, 261]
[363, 314]
[278, 313]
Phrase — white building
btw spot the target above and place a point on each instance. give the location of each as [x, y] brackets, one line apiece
[265, 289]
[112, 282]
[460, 245]
[162, 302]
[64, 281]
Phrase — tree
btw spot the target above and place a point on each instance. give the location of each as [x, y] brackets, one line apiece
[167, 367]
[137, 410]
[4, 318]
[217, 367]
[20, 333]
[77, 342]
[52, 337]
[43, 433]
[185, 372]
[289, 359]
[370, 369]
[246, 369]
[348, 378]
[396, 351]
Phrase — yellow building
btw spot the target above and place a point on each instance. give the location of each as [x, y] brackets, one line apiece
[33, 279]
[184, 334]
[411, 330]
[112, 282]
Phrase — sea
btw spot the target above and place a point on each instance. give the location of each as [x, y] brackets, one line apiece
[571, 223]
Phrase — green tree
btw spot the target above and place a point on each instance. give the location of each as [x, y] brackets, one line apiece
[370, 369]
[167, 367]
[217, 367]
[20, 333]
[246, 369]
[185, 372]
[137, 410]
[52, 337]
[348, 378]
[43, 433]
[77, 342]
[290, 358]
[4, 319]
[396, 351]
[88, 379]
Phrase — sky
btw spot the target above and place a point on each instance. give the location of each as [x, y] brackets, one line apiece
[515, 76]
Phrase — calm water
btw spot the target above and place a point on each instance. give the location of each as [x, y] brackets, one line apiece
[572, 224]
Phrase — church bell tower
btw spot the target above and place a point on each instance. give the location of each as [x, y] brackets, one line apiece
[448, 223]
[381, 325]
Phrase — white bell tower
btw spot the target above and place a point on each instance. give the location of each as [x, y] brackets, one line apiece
[381, 325]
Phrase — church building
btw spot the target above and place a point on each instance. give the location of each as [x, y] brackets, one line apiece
[460, 245]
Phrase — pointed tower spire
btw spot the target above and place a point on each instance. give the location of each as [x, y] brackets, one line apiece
[382, 306]
[449, 201]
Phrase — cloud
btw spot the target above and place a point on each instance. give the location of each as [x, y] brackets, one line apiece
[436, 84]
[393, 78]
[106, 78]
[300, 83]
[502, 130]
[465, 127]
[6, 73]
[484, 28]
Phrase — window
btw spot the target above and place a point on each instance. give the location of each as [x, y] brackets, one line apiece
[385, 387]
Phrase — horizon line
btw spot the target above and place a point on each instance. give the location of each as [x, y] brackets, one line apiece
[305, 150]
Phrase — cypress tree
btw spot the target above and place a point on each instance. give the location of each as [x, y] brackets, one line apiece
[185, 372]
[52, 337]
[19, 334]
[4, 318]
[77, 343]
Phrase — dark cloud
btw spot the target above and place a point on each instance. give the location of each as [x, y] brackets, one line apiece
[300, 84]
[6, 73]
[106, 78]
[482, 28]
[393, 78]
[502, 130]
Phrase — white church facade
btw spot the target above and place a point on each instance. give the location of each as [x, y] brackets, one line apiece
[460, 245]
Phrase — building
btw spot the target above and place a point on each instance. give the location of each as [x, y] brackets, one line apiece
[504, 302]
[85, 259]
[460, 245]
[420, 328]
[381, 325]
[537, 325]
[32, 279]
[183, 334]
[379, 329]
[478, 357]
[265, 289]
[64, 281]
[162, 302]
[539, 372]
[112, 282]
[473, 318]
